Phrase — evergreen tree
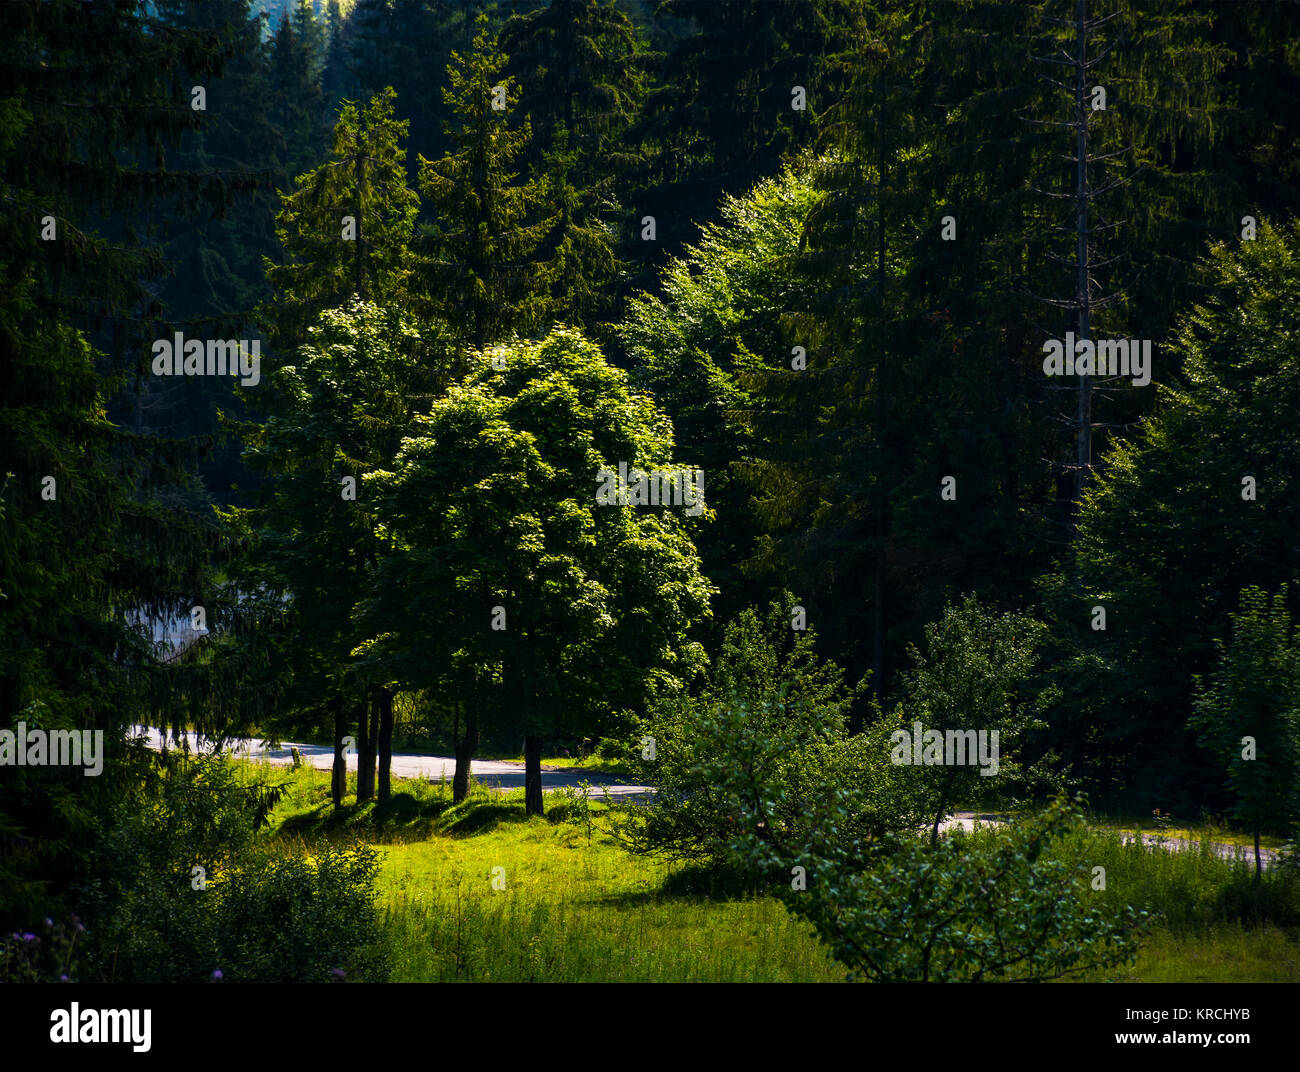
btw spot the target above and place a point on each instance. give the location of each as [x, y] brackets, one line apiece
[930, 249]
[103, 522]
[215, 249]
[348, 225]
[722, 109]
[485, 276]
[578, 65]
[346, 231]
[406, 44]
[297, 103]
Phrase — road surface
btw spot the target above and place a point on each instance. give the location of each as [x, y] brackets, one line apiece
[496, 773]
[503, 774]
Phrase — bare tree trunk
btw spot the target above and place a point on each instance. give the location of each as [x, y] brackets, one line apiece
[385, 744]
[465, 749]
[366, 733]
[339, 775]
[533, 803]
[1083, 433]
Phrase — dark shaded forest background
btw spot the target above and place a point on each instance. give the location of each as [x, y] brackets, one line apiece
[650, 216]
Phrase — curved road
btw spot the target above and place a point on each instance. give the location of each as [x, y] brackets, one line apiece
[497, 773]
[502, 774]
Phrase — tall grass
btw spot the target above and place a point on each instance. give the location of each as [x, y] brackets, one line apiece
[577, 907]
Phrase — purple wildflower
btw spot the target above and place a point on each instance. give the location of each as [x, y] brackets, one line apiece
[217, 976]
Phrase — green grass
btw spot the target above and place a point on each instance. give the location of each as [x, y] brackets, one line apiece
[1184, 831]
[576, 906]
[1224, 953]
[594, 763]
[574, 911]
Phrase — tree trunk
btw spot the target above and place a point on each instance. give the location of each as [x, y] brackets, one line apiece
[339, 776]
[385, 744]
[465, 749]
[1083, 431]
[533, 804]
[365, 753]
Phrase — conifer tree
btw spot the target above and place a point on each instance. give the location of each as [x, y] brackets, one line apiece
[346, 230]
[485, 276]
[102, 520]
[578, 64]
[348, 225]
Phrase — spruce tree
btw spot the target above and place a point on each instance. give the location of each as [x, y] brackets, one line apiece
[346, 231]
[578, 64]
[484, 274]
[103, 521]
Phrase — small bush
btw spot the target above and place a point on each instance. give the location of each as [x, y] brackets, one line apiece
[253, 913]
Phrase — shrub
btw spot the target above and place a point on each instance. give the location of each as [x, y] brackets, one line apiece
[254, 913]
[995, 905]
[776, 710]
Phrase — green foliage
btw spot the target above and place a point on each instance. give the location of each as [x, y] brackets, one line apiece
[264, 916]
[578, 66]
[365, 179]
[979, 908]
[1255, 692]
[1167, 539]
[777, 711]
[267, 917]
[717, 315]
[718, 113]
[91, 99]
[491, 502]
[485, 276]
[974, 675]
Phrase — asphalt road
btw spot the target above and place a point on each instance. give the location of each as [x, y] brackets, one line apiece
[505, 775]
[496, 773]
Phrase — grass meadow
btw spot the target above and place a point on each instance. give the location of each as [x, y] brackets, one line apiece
[481, 892]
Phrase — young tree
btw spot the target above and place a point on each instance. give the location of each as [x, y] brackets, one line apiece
[773, 707]
[1196, 506]
[1004, 905]
[973, 677]
[1248, 714]
[494, 522]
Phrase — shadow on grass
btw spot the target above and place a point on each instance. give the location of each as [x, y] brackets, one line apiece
[402, 817]
[695, 882]
[477, 817]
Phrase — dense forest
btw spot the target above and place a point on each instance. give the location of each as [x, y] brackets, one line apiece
[732, 388]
